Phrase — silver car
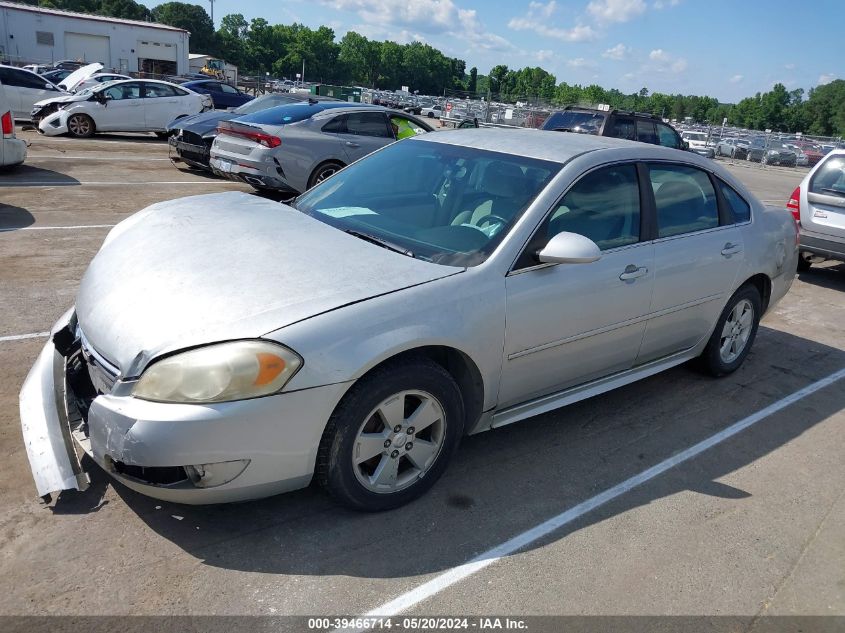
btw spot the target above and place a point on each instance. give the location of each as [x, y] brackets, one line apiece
[226, 347]
[818, 205]
[293, 147]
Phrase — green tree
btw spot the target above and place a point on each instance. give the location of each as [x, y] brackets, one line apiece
[190, 17]
[472, 84]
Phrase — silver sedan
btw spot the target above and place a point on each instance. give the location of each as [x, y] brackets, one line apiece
[293, 147]
[225, 347]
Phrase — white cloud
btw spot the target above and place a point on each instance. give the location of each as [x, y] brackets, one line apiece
[618, 52]
[665, 62]
[790, 66]
[826, 78]
[736, 79]
[537, 20]
[615, 10]
[544, 55]
[400, 20]
[665, 4]
[580, 62]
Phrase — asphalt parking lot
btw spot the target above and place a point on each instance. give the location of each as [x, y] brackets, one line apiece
[752, 526]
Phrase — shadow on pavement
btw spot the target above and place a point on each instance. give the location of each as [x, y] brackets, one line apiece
[29, 176]
[14, 218]
[509, 480]
[825, 275]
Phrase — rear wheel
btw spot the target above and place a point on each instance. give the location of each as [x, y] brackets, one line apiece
[324, 171]
[803, 264]
[392, 436]
[734, 333]
[80, 125]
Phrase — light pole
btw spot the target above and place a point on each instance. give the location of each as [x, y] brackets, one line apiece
[212, 12]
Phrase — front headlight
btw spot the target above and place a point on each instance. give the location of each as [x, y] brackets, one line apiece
[219, 373]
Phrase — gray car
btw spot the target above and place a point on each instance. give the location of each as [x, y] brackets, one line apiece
[293, 147]
[226, 347]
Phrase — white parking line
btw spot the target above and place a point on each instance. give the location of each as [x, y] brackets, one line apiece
[59, 228]
[23, 337]
[520, 541]
[94, 183]
[111, 157]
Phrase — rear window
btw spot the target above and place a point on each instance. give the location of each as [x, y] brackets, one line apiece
[740, 208]
[829, 178]
[574, 121]
[290, 113]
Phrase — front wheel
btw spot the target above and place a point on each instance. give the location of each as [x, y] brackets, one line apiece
[80, 126]
[392, 436]
[734, 333]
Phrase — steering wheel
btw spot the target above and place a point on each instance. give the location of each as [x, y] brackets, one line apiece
[490, 217]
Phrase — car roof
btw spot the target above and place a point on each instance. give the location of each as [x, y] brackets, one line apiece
[559, 147]
[320, 106]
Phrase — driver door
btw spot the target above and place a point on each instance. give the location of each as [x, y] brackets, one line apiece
[123, 109]
[568, 324]
[364, 133]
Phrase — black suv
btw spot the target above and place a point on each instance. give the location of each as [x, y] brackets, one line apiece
[634, 126]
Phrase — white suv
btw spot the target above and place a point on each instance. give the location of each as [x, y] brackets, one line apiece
[818, 205]
[12, 149]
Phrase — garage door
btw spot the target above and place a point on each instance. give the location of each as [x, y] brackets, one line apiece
[88, 48]
[148, 49]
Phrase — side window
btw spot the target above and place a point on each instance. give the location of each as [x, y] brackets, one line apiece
[179, 92]
[740, 208]
[228, 89]
[623, 128]
[685, 200]
[646, 133]
[403, 127]
[667, 136]
[337, 125]
[123, 91]
[604, 206]
[158, 90]
[30, 80]
[367, 124]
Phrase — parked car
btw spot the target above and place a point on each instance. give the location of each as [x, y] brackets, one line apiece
[223, 95]
[293, 147]
[432, 112]
[120, 106]
[733, 148]
[818, 206]
[98, 78]
[778, 153]
[12, 149]
[39, 69]
[56, 76]
[814, 154]
[756, 150]
[801, 159]
[80, 74]
[226, 347]
[191, 137]
[699, 143]
[634, 126]
[24, 88]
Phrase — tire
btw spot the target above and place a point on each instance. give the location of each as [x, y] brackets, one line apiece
[714, 360]
[80, 126]
[423, 387]
[324, 171]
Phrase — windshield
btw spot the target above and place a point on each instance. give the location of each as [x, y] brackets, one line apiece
[573, 121]
[442, 203]
[830, 177]
[695, 136]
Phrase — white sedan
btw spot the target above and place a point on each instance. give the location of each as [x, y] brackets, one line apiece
[120, 106]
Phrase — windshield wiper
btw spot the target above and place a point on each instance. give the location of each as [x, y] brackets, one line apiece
[380, 242]
[838, 192]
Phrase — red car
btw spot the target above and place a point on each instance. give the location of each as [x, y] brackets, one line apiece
[813, 153]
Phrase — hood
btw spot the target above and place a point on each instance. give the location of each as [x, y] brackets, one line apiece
[69, 82]
[226, 266]
[202, 123]
[63, 99]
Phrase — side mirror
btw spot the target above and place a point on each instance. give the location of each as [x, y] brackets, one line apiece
[569, 248]
[49, 87]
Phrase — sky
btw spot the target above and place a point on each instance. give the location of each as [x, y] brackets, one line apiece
[728, 49]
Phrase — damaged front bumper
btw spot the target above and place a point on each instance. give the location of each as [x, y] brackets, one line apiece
[74, 402]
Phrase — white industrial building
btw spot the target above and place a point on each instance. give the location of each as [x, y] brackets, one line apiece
[35, 35]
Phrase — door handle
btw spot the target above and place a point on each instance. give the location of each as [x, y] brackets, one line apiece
[731, 249]
[351, 144]
[633, 272]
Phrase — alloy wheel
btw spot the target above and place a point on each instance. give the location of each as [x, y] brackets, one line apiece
[79, 126]
[736, 331]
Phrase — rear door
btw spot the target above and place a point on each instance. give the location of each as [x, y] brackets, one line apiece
[364, 133]
[13, 98]
[26, 89]
[161, 105]
[697, 256]
[823, 204]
